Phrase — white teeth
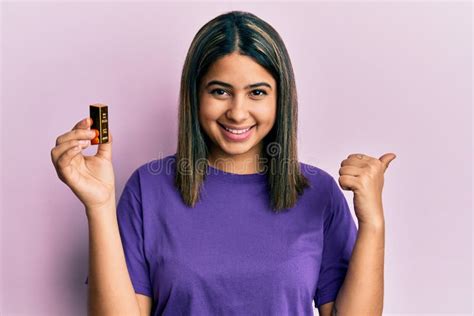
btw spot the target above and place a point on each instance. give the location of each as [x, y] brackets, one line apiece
[237, 131]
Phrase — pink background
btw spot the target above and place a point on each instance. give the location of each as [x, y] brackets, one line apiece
[372, 77]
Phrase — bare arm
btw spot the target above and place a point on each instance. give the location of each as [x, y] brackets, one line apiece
[363, 287]
[362, 290]
[145, 303]
[327, 309]
[110, 290]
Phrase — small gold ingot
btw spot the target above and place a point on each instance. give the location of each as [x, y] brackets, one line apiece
[100, 122]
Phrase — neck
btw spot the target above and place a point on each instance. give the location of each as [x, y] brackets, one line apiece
[246, 163]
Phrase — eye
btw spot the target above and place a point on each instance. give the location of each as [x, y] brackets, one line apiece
[263, 92]
[212, 91]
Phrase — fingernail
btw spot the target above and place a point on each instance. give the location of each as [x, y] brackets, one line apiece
[84, 142]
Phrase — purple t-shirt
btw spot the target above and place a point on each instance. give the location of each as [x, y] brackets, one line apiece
[231, 255]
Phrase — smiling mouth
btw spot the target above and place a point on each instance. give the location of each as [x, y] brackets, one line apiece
[236, 131]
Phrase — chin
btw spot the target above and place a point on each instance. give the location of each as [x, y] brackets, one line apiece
[235, 149]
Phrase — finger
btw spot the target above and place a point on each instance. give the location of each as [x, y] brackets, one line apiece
[360, 156]
[350, 171]
[354, 162]
[386, 159]
[65, 158]
[57, 151]
[348, 182]
[78, 133]
[84, 124]
[105, 150]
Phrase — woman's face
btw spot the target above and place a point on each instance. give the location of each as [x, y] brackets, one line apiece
[226, 99]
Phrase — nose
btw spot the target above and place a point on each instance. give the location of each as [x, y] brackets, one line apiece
[237, 110]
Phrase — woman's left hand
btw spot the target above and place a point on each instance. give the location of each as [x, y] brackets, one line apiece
[364, 175]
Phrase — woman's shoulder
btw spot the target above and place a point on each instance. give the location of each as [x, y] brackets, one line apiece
[152, 171]
[151, 176]
[317, 175]
[164, 165]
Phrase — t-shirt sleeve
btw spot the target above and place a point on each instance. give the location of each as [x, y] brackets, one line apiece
[340, 234]
[130, 222]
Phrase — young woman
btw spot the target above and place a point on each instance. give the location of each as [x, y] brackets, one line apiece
[232, 223]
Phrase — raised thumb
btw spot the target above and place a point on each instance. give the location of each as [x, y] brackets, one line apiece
[387, 158]
[105, 150]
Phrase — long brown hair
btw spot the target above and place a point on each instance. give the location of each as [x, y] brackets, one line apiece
[245, 33]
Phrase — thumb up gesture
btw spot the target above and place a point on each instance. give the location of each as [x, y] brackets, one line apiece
[364, 175]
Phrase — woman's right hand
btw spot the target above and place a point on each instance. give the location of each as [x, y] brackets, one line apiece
[91, 178]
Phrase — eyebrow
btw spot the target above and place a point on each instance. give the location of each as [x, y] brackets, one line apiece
[228, 85]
